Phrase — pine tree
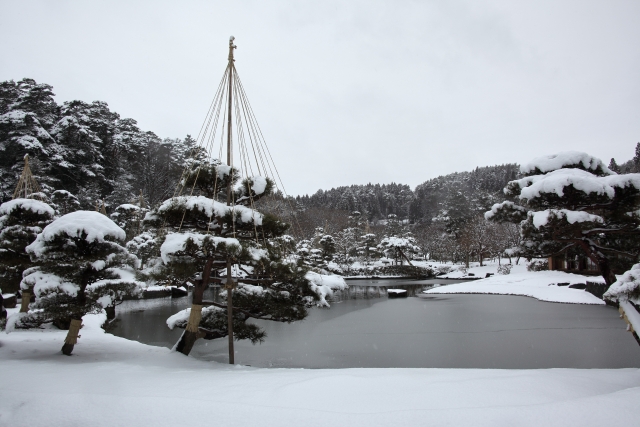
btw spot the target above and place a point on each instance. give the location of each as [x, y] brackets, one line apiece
[204, 235]
[614, 166]
[64, 202]
[82, 268]
[20, 222]
[572, 202]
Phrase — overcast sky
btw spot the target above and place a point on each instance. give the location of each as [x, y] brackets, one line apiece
[351, 92]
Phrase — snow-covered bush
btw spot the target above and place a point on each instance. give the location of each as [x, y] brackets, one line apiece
[571, 202]
[20, 221]
[504, 269]
[538, 265]
[82, 268]
[626, 288]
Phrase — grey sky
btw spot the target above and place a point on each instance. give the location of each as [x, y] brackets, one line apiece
[350, 92]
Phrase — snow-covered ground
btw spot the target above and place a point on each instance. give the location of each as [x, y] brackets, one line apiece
[110, 381]
[542, 285]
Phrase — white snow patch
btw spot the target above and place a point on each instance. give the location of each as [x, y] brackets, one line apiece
[176, 242]
[27, 204]
[94, 224]
[324, 285]
[539, 284]
[143, 383]
[556, 181]
[566, 158]
[541, 218]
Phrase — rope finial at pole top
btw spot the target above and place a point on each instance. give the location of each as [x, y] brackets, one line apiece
[231, 47]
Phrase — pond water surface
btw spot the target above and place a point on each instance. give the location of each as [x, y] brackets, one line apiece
[434, 331]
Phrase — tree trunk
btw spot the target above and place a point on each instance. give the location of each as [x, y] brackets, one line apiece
[111, 312]
[72, 336]
[607, 273]
[190, 335]
[24, 304]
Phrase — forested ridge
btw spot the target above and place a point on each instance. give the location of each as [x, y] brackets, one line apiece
[94, 153]
[84, 148]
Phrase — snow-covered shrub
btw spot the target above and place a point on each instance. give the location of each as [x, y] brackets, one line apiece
[20, 221]
[571, 202]
[443, 269]
[82, 268]
[538, 265]
[626, 288]
[504, 269]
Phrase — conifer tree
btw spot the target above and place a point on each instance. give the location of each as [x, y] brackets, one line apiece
[20, 222]
[204, 236]
[82, 268]
[572, 202]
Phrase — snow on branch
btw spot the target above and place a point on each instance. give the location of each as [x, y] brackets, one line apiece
[566, 160]
[177, 242]
[542, 218]
[556, 181]
[323, 285]
[32, 205]
[626, 288]
[210, 208]
[96, 226]
[507, 211]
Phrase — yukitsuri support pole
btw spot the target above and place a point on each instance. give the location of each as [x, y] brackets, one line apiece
[72, 336]
[229, 283]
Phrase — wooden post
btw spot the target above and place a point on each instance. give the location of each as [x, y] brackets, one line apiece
[229, 284]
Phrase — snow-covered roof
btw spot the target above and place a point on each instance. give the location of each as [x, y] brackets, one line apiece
[96, 226]
[566, 159]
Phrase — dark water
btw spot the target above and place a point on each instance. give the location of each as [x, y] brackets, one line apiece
[435, 331]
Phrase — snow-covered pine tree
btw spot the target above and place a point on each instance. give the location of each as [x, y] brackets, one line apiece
[82, 268]
[207, 234]
[572, 202]
[20, 222]
[64, 202]
[129, 218]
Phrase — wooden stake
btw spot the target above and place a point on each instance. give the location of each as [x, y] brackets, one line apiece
[229, 283]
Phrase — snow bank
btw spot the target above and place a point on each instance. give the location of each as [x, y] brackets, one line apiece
[176, 242]
[627, 287]
[324, 285]
[113, 381]
[32, 205]
[565, 159]
[541, 218]
[94, 224]
[541, 285]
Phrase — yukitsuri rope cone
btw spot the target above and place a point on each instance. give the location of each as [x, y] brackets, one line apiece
[27, 186]
[72, 336]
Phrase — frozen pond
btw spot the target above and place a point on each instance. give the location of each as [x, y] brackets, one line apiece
[447, 331]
